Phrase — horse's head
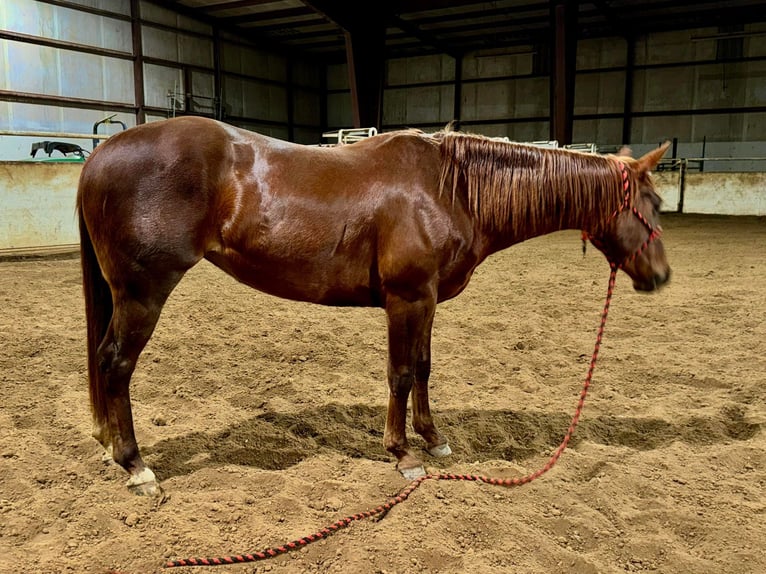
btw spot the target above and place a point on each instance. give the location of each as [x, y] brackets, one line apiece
[631, 239]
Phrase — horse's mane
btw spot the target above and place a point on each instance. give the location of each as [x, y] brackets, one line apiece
[526, 189]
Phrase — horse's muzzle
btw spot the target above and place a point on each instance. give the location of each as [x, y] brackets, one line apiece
[657, 281]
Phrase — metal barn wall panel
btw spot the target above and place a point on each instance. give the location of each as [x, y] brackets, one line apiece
[516, 131]
[159, 82]
[339, 110]
[203, 93]
[601, 93]
[118, 6]
[664, 89]
[755, 83]
[601, 131]
[56, 72]
[308, 135]
[66, 24]
[659, 129]
[21, 59]
[245, 98]
[306, 107]
[498, 66]
[248, 61]
[515, 98]
[154, 13]
[337, 77]
[672, 94]
[675, 46]
[722, 86]
[307, 74]
[278, 132]
[598, 53]
[177, 47]
[489, 101]
[755, 130]
[418, 106]
[420, 69]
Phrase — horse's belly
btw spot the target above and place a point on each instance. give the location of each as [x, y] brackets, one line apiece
[332, 282]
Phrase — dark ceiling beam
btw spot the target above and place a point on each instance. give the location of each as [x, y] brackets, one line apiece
[234, 5]
[696, 18]
[659, 22]
[271, 27]
[537, 7]
[339, 45]
[510, 21]
[647, 7]
[266, 16]
[293, 34]
[426, 5]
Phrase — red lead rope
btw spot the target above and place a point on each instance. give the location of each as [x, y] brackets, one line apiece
[383, 509]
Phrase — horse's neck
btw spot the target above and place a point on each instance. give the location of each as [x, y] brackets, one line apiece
[555, 211]
[516, 192]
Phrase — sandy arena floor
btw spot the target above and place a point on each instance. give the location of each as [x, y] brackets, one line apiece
[264, 420]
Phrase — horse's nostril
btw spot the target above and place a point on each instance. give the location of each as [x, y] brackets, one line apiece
[662, 278]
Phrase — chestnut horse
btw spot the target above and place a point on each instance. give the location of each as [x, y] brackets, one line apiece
[398, 221]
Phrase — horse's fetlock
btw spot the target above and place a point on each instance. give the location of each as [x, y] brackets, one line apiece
[127, 457]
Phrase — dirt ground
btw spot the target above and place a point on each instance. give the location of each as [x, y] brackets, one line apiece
[264, 420]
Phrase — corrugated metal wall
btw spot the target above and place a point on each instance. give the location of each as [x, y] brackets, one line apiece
[63, 69]
[679, 86]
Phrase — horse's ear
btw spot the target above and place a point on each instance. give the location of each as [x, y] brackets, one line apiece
[650, 160]
[625, 151]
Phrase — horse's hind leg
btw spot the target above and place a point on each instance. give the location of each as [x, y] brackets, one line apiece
[136, 311]
[422, 422]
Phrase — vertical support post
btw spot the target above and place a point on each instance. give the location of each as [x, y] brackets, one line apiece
[188, 91]
[627, 106]
[681, 185]
[217, 76]
[457, 109]
[323, 101]
[290, 100]
[564, 60]
[138, 61]
[365, 50]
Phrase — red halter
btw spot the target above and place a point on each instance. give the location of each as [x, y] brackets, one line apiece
[654, 233]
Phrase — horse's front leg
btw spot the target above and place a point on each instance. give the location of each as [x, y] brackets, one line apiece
[409, 325]
[422, 422]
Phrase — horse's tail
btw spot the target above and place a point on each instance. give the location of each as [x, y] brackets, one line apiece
[98, 314]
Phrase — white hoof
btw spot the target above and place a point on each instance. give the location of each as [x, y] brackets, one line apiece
[144, 483]
[412, 473]
[440, 450]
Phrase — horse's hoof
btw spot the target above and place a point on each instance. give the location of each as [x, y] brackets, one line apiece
[144, 484]
[440, 450]
[106, 456]
[152, 489]
[413, 473]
